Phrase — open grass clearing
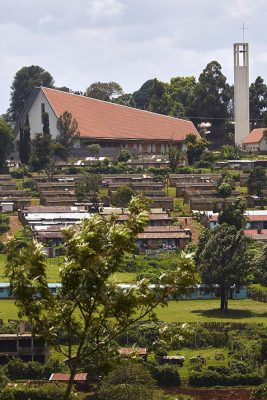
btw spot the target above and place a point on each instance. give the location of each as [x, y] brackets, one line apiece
[243, 311]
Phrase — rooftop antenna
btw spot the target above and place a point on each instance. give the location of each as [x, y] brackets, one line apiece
[243, 29]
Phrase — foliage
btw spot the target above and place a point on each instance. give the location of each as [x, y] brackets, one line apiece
[131, 381]
[174, 157]
[165, 375]
[90, 307]
[224, 190]
[4, 223]
[41, 149]
[104, 90]
[17, 369]
[225, 377]
[6, 141]
[123, 196]
[49, 391]
[233, 214]
[87, 189]
[93, 149]
[25, 142]
[68, 131]
[211, 101]
[229, 152]
[222, 259]
[256, 181]
[259, 393]
[124, 155]
[257, 101]
[195, 148]
[23, 83]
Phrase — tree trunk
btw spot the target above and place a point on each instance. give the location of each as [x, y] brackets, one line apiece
[70, 384]
[224, 299]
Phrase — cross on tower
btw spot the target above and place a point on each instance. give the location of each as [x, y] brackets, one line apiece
[243, 29]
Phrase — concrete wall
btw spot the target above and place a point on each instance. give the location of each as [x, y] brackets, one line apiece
[241, 91]
[35, 116]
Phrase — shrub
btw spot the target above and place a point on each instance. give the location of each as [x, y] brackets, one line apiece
[165, 375]
[36, 392]
[211, 377]
[260, 393]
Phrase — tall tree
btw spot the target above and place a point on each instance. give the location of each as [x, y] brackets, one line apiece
[68, 131]
[104, 90]
[90, 307]
[23, 83]
[42, 147]
[25, 142]
[256, 181]
[211, 101]
[181, 95]
[175, 155]
[257, 101]
[6, 141]
[87, 189]
[123, 196]
[234, 214]
[152, 96]
[195, 148]
[222, 259]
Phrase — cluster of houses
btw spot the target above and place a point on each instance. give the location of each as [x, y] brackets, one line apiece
[10, 197]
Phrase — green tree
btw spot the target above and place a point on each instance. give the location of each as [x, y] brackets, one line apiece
[24, 81]
[104, 90]
[222, 259]
[152, 96]
[233, 214]
[195, 148]
[41, 150]
[94, 149]
[130, 381]
[224, 190]
[181, 94]
[124, 155]
[68, 131]
[6, 141]
[87, 189]
[256, 181]
[257, 101]
[90, 307]
[211, 101]
[4, 223]
[25, 142]
[174, 157]
[125, 99]
[228, 152]
[123, 196]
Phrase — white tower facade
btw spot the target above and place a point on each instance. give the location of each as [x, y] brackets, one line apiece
[241, 91]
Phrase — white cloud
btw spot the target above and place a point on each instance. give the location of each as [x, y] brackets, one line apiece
[48, 19]
[101, 9]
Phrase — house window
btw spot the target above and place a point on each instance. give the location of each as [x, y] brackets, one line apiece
[42, 111]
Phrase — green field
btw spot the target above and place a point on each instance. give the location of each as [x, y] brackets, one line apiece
[207, 311]
[188, 311]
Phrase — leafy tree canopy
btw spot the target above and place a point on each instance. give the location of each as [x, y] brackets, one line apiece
[104, 90]
[6, 141]
[233, 214]
[222, 259]
[24, 81]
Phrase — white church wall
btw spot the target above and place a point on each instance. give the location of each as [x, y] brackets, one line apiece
[35, 116]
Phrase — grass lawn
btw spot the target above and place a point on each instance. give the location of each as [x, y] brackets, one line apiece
[207, 311]
[172, 191]
[8, 310]
[208, 353]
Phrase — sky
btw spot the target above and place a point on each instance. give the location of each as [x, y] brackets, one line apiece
[128, 41]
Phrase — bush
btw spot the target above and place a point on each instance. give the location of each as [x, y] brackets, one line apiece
[211, 377]
[36, 392]
[165, 375]
[260, 393]
[18, 369]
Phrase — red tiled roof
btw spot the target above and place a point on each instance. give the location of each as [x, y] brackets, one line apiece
[162, 235]
[254, 136]
[104, 120]
[255, 231]
[131, 350]
[65, 377]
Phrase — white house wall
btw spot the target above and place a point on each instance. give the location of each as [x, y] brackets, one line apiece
[35, 116]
